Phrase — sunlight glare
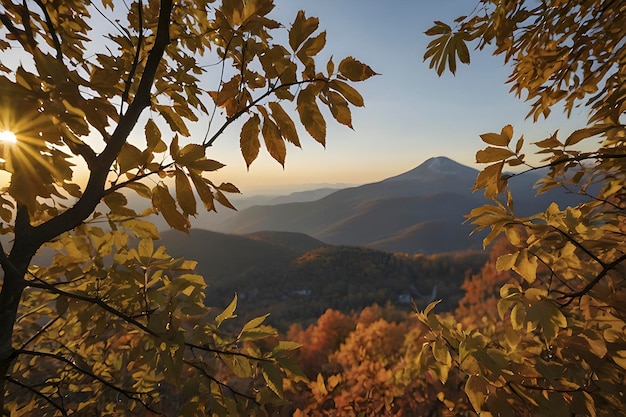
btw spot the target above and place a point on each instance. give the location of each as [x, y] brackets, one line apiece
[8, 137]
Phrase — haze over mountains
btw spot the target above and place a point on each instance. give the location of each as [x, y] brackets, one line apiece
[419, 211]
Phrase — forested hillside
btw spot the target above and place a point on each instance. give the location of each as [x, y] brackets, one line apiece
[296, 278]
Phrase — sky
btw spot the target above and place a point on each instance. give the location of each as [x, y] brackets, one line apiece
[410, 113]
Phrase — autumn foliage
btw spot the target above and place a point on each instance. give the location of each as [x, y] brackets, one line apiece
[107, 101]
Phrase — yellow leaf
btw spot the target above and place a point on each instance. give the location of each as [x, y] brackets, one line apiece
[310, 115]
[172, 118]
[205, 165]
[273, 141]
[526, 266]
[348, 92]
[203, 190]
[491, 154]
[355, 70]
[164, 203]
[153, 137]
[477, 390]
[142, 229]
[339, 108]
[285, 124]
[221, 198]
[184, 194]
[311, 47]
[301, 29]
[582, 134]
[141, 189]
[249, 140]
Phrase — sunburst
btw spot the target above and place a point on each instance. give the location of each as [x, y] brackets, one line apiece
[7, 136]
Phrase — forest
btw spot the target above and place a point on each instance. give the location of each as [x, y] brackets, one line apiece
[112, 324]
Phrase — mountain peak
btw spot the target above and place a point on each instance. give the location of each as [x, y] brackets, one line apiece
[438, 166]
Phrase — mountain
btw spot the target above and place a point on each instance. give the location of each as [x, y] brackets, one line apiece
[421, 210]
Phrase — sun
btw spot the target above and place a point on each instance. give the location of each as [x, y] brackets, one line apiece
[7, 137]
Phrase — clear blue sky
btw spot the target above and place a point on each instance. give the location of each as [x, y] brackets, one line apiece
[411, 114]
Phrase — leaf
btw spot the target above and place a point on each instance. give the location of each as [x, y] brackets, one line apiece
[190, 153]
[184, 194]
[203, 190]
[526, 266]
[310, 115]
[129, 157]
[355, 70]
[172, 118]
[249, 140]
[499, 139]
[585, 133]
[141, 189]
[221, 198]
[441, 352]
[142, 229]
[205, 165]
[311, 47]
[274, 141]
[164, 203]
[491, 154]
[153, 137]
[348, 92]
[301, 29]
[273, 377]
[228, 313]
[285, 123]
[339, 108]
[229, 188]
[476, 388]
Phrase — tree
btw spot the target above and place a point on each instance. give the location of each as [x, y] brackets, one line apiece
[565, 350]
[113, 322]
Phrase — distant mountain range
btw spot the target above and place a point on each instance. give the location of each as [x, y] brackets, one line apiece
[419, 211]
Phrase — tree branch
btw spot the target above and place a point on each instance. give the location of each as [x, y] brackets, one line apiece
[133, 68]
[218, 382]
[605, 269]
[569, 159]
[52, 30]
[128, 394]
[38, 394]
[256, 101]
[94, 190]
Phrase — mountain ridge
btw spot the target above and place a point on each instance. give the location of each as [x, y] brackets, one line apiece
[381, 214]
